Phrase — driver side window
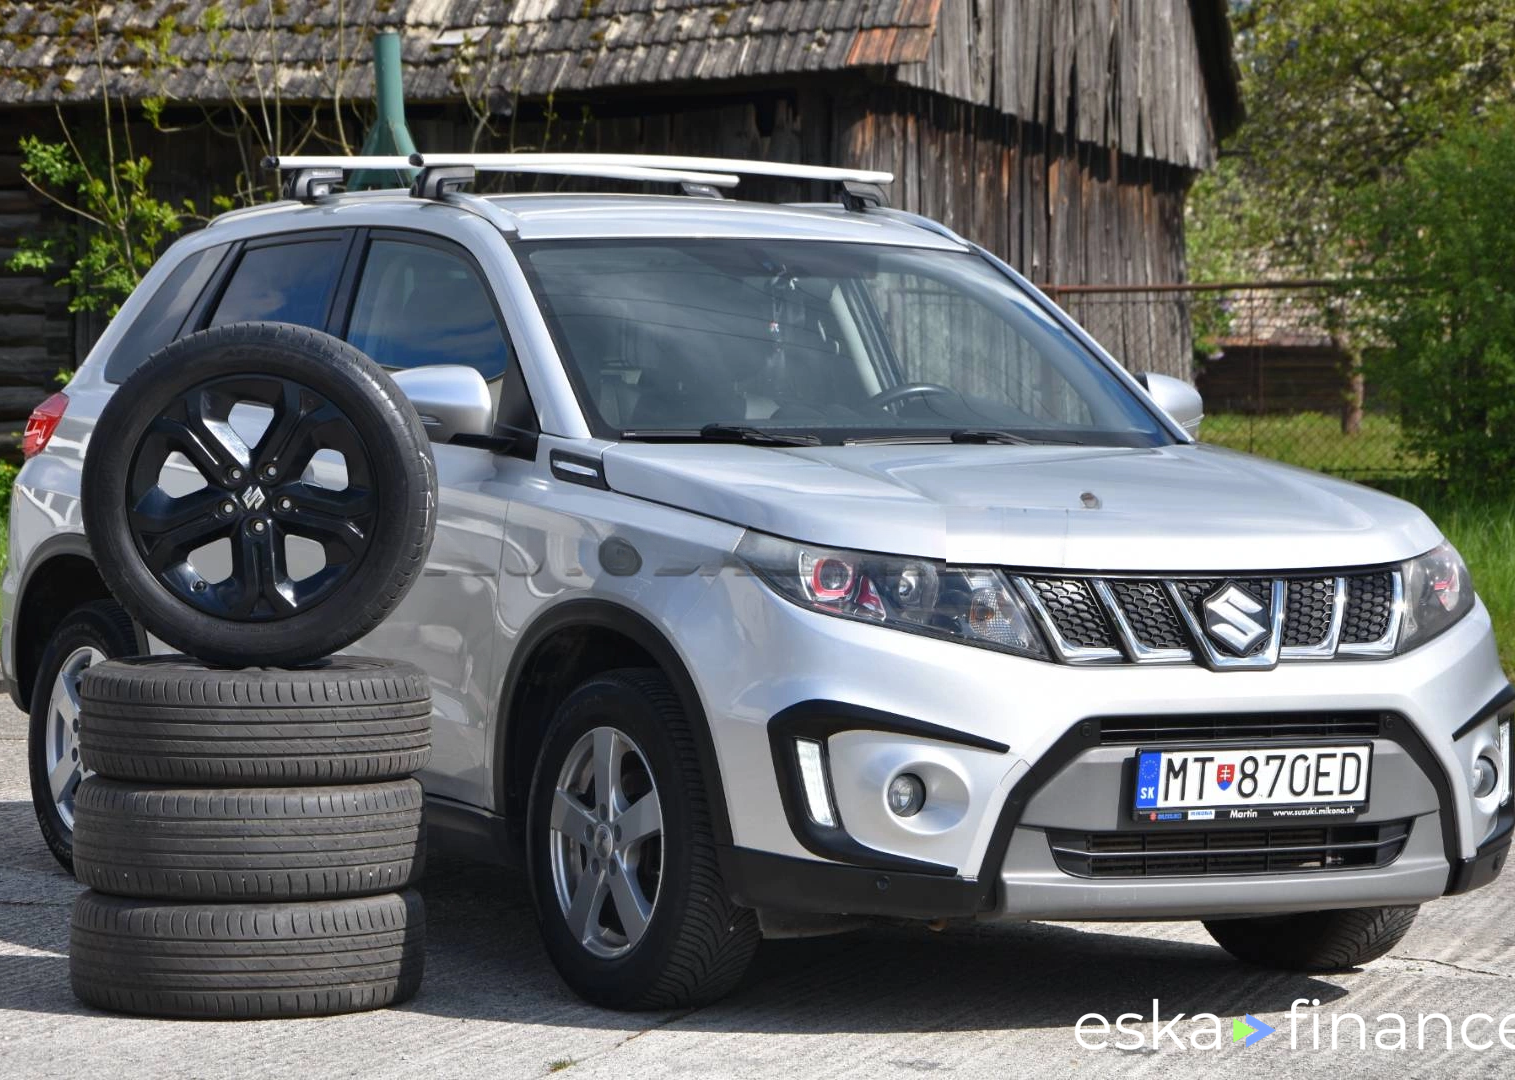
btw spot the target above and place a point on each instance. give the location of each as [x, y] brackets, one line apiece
[418, 304]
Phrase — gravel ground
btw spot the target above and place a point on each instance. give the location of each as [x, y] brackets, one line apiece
[993, 1001]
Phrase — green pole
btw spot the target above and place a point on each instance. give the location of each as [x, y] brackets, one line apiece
[389, 135]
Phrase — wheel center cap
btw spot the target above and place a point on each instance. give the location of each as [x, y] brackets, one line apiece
[604, 842]
[252, 497]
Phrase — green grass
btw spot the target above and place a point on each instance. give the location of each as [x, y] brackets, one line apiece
[1315, 441]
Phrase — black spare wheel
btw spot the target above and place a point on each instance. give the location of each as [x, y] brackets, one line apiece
[259, 494]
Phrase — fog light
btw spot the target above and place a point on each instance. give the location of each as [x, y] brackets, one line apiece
[906, 794]
[1485, 777]
[813, 776]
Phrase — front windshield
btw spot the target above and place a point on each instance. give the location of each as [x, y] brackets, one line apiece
[833, 341]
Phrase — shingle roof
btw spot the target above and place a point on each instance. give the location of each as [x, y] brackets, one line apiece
[1154, 78]
[538, 46]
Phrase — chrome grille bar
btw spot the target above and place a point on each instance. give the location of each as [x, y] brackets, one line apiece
[1358, 595]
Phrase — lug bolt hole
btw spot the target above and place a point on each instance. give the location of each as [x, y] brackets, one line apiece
[259, 526]
[285, 502]
[234, 475]
[228, 507]
[199, 586]
[269, 472]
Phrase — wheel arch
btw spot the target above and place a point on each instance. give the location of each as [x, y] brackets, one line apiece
[564, 646]
[60, 575]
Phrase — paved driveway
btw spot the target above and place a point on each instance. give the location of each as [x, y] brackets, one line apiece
[998, 1001]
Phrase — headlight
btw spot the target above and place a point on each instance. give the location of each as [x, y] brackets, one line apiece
[975, 606]
[1438, 592]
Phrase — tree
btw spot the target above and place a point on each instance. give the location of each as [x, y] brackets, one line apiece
[1338, 94]
[1447, 340]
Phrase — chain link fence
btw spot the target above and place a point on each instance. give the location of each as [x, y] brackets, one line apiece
[1270, 360]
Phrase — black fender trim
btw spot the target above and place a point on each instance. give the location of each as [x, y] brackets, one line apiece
[1496, 705]
[607, 615]
[1485, 865]
[72, 544]
[761, 879]
[470, 832]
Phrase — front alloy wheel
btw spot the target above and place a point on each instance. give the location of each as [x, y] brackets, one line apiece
[607, 842]
[622, 851]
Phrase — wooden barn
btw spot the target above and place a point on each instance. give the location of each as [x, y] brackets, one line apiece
[1062, 134]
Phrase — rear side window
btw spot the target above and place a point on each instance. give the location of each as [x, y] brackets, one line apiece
[418, 304]
[288, 282]
[161, 317]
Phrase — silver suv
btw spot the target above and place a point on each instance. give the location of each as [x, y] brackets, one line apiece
[799, 564]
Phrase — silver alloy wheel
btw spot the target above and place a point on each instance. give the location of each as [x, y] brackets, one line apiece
[61, 749]
[605, 832]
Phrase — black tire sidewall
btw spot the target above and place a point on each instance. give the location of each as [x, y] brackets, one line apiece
[404, 488]
[612, 702]
[86, 625]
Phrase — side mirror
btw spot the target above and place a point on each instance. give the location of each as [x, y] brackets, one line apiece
[1176, 398]
[452, 399]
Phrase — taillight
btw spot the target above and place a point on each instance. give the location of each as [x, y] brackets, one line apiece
[42, 423]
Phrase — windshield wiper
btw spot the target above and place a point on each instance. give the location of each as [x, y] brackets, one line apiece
[963, 435]
[988, 435]
[734, 433]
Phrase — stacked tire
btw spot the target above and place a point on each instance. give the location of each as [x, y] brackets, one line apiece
[250, 833]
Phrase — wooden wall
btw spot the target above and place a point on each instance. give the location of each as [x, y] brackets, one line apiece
[36, 329]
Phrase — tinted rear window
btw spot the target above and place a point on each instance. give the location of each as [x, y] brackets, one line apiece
[289, 282]
[161, 317]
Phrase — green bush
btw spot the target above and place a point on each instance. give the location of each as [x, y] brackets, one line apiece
[1445, 338]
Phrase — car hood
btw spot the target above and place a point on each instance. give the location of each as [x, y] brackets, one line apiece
[1176, 508]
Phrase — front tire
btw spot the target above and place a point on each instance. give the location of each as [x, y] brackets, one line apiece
[88, 635]
[1314, 941]
[633, 909]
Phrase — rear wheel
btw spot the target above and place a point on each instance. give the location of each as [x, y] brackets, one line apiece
[88, 635]
[633, 910]
[1314, 940]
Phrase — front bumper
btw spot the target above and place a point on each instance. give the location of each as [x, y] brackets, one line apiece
[1023, 754]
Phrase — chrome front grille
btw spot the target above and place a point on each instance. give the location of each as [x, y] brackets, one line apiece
[1112, 619]
[1211, 852]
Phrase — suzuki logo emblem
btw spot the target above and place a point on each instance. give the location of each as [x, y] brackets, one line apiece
[1235, 619]
[253, 497]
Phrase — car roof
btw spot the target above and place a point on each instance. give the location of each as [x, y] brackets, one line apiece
[557, 217]
[584, 216]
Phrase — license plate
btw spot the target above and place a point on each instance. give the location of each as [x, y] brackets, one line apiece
[1247, 783]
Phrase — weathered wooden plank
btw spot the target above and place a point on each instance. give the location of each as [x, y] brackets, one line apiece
[17, 402]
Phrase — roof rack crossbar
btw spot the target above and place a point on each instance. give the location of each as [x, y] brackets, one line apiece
[524, 163]
[660, 162]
